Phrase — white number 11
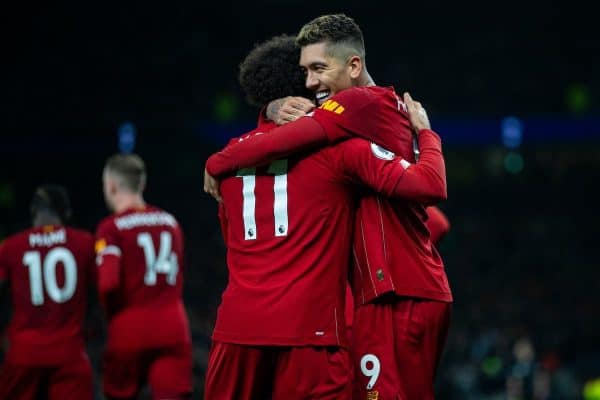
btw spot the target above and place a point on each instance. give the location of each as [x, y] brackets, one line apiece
[280, 210]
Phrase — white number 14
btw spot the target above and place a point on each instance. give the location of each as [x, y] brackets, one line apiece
[164, 263]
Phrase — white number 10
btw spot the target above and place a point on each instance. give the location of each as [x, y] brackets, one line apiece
[372, 372]
[43, 273]
[280, 210]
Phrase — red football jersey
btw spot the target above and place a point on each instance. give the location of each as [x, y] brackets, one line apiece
[288, 228]
[49, 270]
[437, 223]
[140, 260]
[392, 246]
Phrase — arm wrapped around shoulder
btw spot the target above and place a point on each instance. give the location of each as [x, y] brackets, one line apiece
[429, 173]
[262, 148]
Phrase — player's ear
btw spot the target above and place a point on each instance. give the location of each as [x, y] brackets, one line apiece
[355, 65]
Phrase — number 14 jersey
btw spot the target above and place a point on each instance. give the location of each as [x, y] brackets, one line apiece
[140, 260]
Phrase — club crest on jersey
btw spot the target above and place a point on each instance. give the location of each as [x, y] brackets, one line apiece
[100, 245]
[372, 395]
[382, 153]
[333, 106]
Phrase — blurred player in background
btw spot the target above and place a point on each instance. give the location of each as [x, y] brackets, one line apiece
[50, 271]
[140, 259]
[280, 327]
[398, 280]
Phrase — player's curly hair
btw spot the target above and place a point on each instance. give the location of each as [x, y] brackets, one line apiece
[271, 71]
[53, 199]
[341, 33]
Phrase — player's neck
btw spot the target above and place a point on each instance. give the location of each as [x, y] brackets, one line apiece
[126, 201]
[365, 79]
[42, 219]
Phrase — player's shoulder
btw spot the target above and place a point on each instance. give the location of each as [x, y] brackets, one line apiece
[15, 240]
[365, 94]
[356, 146]
[154, 215]
[263, 127]
[107, 222]
[80, 234]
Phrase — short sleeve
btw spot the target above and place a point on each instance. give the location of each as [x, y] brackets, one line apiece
[107, 240]
[108, 256]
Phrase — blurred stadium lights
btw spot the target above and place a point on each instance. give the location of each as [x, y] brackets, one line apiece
[462, 132]
[513, 162]
[577, 98]
[512, 132]
[127, 135]
[226, 107]
[591, 390]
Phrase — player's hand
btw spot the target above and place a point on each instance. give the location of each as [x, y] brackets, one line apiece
[416, 114]
[211, 186]
[288, 109]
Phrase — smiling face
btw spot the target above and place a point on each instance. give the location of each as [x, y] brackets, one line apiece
[327, 73]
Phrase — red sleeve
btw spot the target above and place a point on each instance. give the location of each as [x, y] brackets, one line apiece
[108, 257]
[391, 176]
[258, 147]
[437, 223]
[224, 222]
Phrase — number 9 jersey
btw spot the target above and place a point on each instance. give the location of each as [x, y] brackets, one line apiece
[49, 270]
[140, 259]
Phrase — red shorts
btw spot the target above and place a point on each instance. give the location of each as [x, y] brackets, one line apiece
[168, 371]
[397, 344]
[238, 372]
[73, 380]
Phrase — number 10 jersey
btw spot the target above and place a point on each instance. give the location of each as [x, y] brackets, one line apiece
[49, 270]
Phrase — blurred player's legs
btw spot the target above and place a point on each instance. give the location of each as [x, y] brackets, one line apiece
[170, 374]
[20, 382]
[397, 344]
[238, 372]
[73, 380]
[312, 373]
[167, 370]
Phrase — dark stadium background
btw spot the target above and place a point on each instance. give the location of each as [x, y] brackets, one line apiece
[512, 87]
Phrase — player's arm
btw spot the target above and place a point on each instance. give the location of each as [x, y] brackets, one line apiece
[93, 320]
[224, 222]
[331, 123]
[437, 223]
[369, 164]
[108, 261]
[257, 147]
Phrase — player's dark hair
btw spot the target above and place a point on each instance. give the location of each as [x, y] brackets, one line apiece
[271, 71]
[52, 199]
[131, 170]
[342, 35]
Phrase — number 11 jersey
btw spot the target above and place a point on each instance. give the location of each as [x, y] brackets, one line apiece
[140, 260]
[288, 229]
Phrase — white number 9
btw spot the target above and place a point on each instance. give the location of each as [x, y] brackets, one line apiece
[372, 372]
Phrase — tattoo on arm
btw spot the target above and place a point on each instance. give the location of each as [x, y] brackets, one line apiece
[273, 109]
